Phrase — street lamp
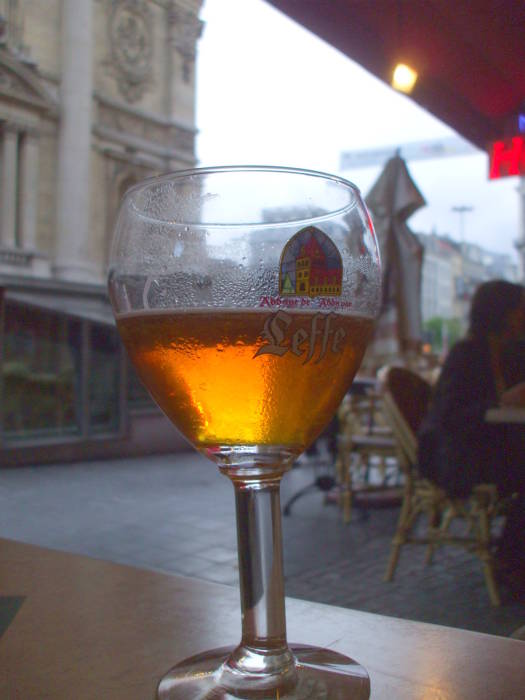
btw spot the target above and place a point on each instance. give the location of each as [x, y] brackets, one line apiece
[462, 210]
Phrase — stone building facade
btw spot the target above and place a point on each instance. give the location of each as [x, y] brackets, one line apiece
[94, 96]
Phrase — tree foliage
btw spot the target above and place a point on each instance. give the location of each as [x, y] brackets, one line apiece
[442, 333]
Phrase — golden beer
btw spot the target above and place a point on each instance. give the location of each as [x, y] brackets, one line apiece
[246, 377]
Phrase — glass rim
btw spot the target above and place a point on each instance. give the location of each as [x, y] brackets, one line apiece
[176, 175]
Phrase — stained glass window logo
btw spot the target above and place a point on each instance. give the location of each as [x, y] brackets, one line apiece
[310, 265]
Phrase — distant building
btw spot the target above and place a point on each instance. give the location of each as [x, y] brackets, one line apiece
[501, 265]
[94, 96]
[452, 271]
[438, 278]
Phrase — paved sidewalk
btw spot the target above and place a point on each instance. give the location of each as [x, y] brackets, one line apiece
[176, 514]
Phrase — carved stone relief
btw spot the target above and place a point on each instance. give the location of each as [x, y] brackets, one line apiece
[12, 21]
[130, 39]
[185, 29]
[8, 81]
[19, 83]
[122, 121]
[168, 135]
[183, 139]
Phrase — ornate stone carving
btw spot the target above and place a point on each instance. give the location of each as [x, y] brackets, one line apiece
[11, 84]
[185, 30]
[130, 35]
[18, 82]
[12, 16]
[125, 122]
[8, 81]
[15, 257]
[183, 139]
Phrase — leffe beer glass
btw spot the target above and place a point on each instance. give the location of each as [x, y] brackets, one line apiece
[245, 297]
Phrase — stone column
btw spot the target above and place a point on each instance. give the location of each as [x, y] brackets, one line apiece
[74, 147]
[8, 195]
[28, 198]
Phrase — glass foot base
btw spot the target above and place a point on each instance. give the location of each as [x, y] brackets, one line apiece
[322, 674]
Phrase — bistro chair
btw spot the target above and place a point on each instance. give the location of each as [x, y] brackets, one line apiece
[362, 439]
[406, 399]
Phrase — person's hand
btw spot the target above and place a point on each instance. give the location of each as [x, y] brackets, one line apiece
[515, 396]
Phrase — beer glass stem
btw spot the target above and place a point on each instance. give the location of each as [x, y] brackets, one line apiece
[263, 654]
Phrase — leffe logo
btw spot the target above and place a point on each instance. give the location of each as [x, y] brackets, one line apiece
[311, 266]
[302, 341]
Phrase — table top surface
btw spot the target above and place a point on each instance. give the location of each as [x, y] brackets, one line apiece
[86, 628]
[506, 414]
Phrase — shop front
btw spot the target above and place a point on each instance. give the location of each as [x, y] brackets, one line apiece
[68, 391]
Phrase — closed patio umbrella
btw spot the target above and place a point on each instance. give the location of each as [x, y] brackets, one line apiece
[392, 200]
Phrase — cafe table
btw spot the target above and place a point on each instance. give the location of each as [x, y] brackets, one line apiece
[77, 628]
[506, 414]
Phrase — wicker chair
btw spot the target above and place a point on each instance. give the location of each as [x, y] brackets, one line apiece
[406, 398]
[359, 440]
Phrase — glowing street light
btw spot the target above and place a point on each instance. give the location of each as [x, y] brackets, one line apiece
[404, 78]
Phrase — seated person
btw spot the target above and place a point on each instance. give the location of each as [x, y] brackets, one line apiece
[457, 448]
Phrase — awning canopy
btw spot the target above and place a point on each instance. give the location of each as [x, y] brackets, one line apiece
[470, 56]
[96, 310]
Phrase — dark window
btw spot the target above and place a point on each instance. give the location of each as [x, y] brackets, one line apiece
[41, 374]
[138, 397]
[104, 379]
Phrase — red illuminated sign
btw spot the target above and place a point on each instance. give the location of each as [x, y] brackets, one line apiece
[507, 158]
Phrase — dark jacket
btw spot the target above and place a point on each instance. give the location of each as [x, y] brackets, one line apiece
[457, 448]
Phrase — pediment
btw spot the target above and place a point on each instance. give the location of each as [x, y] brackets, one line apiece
[20, 83]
